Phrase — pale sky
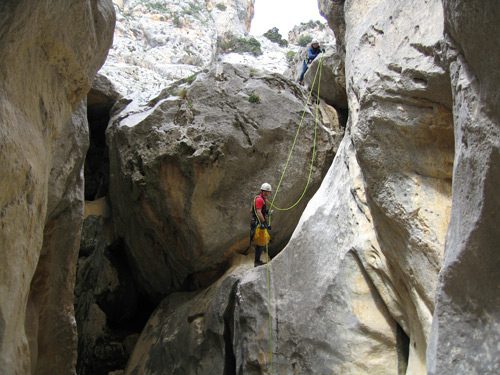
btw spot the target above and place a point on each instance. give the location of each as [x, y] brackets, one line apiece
[284, 14]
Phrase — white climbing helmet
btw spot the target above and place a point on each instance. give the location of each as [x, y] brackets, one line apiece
[266, 187]
[315, 41]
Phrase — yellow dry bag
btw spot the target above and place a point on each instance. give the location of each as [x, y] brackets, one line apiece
[261, 236]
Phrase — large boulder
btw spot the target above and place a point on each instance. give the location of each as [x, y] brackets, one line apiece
[466, 327]
[185, 168]
[50, 52]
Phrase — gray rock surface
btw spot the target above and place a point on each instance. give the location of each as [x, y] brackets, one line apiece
[466, 327]
[314, 319]
[331, 83]
[400, 118]
[50, 321]
[158, 42]
[323, 302]
[333, 11]
[201, 323]
[313, 29]
[50, 52]
[183, 172]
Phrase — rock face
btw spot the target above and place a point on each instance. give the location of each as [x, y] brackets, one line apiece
[50, 53]
[402, 129]
[227, 324]
[200, 323]
[311, 30]
[323, 300]
[108, 307]
[157, 43]
[182, 170]
[333, 11]
[466, 326]
[331, 84]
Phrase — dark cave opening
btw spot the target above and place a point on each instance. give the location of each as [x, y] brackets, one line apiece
[127, 309]
[228, 334]
[403, 348]
[97, 160]
[343, 116]
[111, 311]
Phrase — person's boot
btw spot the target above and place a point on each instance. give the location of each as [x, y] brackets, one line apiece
[258, 263]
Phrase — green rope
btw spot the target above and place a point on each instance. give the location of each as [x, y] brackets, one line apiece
[319, 70]
[268, 269]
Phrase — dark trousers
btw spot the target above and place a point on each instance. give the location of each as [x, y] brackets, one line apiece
[304, 70]
[258, 249]
[258, 252]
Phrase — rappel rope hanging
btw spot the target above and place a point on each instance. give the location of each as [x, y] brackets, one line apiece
[268, 269]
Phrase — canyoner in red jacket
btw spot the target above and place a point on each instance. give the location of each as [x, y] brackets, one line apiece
[259, 225]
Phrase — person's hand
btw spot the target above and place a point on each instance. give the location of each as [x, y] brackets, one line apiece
[323, 50]
[262, 226]
[268, 227]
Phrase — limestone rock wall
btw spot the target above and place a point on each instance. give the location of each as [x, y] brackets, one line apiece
[50, 52]
[466, 327]
[361, 268]
[159, 42]
[402, 129]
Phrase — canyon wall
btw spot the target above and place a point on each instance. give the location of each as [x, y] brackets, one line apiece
[50, 52]
[466, 324]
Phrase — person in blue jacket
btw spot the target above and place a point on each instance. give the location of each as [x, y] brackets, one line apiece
[312, 52]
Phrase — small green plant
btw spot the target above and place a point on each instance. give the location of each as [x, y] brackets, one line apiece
[274, 36]
[254, 98]
[193, 10]
[304, 40]
[191, 78]
[156, 6]
[177, 21]
[253, 71]
[290, 55]
[231, 43]
[221, 7]
[182, 93]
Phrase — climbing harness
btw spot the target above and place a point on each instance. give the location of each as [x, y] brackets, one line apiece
[268, 269]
